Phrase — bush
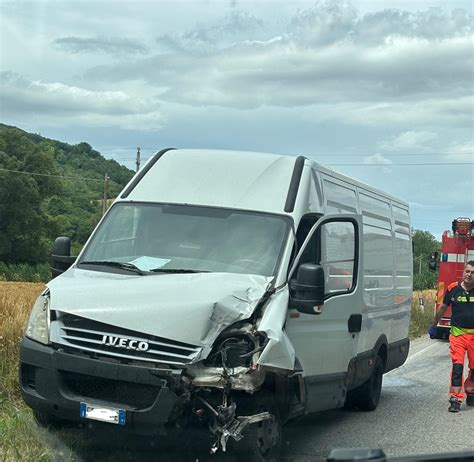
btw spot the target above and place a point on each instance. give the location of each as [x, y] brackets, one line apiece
[425, 280]
[25, 272]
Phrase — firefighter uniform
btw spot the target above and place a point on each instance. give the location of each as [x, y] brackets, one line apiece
[461, 339]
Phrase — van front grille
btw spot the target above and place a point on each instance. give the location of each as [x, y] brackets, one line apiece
[108, 340]
[135, 395]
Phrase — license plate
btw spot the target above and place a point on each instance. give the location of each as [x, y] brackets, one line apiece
[104, 414]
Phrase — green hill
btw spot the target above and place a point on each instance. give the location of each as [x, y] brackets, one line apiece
[49, 189]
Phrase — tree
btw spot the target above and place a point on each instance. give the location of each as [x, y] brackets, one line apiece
[24, 226]
[424, 243]
[61, 200]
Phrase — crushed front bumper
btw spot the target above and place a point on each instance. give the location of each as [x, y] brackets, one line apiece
[56, 382]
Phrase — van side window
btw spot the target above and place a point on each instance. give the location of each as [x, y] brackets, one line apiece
[338, 255]
[333, 247]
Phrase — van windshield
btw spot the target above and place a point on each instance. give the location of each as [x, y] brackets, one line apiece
[183, 238]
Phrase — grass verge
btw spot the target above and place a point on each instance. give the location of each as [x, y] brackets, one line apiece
[18, 439]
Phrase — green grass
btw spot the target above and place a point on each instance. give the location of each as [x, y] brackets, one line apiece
[19, 440]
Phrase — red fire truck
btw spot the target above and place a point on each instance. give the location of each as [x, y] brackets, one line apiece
[457, 248]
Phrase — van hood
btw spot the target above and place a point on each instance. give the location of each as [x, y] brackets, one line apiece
[191, 308]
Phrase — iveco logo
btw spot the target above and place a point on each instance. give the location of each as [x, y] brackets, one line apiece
[126, 343]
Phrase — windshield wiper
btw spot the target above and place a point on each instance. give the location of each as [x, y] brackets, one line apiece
[176, 270]
[115, 264]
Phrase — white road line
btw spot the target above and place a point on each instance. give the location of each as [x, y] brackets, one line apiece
[410, 357]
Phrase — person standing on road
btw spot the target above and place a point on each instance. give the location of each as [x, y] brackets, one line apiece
[460, 295]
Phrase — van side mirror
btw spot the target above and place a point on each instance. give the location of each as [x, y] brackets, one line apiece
[433, 263]
[308, 289]
[61, 258]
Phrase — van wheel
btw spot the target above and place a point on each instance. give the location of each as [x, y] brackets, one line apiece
[262, 440]
[46, 420]
[367, 396]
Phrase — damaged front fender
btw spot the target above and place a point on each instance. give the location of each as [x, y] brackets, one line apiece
[279, 352]
[234, 308]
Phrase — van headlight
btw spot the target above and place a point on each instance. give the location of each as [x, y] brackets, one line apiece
[38, 322]
[233, 351]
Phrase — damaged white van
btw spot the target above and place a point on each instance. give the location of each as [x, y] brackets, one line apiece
[232, 291]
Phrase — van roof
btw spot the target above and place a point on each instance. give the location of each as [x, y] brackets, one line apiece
[222, 178]
[217, 178]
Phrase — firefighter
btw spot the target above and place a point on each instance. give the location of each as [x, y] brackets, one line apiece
[460, 295]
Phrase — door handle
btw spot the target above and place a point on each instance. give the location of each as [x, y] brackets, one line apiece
[354, 324]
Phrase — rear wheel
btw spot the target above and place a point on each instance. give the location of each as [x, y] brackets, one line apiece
[367, 396]
[470, 400]
[262, 440]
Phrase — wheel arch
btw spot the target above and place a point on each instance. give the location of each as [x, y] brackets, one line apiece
[381, 349]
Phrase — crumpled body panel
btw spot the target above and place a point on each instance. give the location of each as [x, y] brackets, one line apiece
[279, 352]
[191, 308]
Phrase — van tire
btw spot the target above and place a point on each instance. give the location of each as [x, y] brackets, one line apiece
[262, 440]
[46, 420]
[366, 397]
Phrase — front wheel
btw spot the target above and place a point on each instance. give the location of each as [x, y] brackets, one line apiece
[367, 396]
[262, 440]
[46, 420]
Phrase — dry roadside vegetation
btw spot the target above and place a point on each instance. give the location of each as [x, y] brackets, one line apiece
[18, 440]
[18, 436]
[422, 316]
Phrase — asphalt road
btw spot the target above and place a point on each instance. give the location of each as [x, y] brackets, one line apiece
[412, 418]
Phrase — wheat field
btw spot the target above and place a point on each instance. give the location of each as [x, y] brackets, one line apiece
[16, 300]
[18, 436]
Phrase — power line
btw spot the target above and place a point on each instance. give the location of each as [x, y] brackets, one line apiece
[435, 154]
[122, 149]
[402, 165]
[48, 174]
[329, 164]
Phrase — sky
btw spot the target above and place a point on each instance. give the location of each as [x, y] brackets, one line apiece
[381, 91]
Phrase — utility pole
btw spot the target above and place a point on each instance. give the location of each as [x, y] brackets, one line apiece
[106, 188]
[420, 259]
[138, 158]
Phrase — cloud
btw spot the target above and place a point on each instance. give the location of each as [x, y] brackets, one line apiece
[326, 23]
[330, 22]
[439, 111]
[323, 57]
[99, 44]
[461, 152]
[234, 27]
[377, 159]
[21, 96]
[411, 141]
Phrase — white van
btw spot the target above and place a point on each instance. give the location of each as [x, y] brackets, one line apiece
[229, 290]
